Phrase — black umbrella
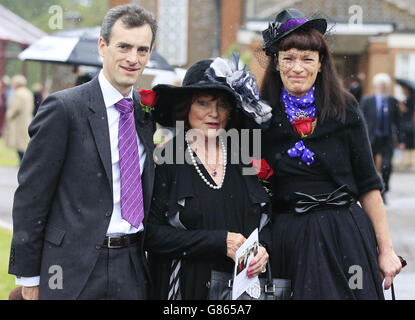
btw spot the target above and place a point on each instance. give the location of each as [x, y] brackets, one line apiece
[79, 47]
[406, 83]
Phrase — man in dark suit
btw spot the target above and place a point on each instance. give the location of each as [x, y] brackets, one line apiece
[382, 115]
[85, 184]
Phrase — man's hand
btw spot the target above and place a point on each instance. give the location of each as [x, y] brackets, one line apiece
[233, 242]
[30, 293]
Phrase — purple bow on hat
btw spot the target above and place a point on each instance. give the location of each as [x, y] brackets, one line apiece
[300, 150]
[291, 23]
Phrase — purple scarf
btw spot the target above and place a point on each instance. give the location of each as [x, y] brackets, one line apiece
[297, 109]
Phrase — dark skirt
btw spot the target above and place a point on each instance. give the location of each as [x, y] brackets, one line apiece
[328, 254]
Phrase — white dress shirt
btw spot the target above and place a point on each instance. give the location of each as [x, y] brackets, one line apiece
[111, 97]
[117, 224]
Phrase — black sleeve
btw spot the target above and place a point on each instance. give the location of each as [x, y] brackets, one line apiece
[265, 237]
[397, 119]
[363, 166]
[162, 239]
[38, 177]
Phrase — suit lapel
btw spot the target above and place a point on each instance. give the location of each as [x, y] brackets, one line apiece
[98, 121]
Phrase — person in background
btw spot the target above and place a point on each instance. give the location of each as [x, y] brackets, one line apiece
[5, 92]
[408, 122]
[383, 119]
[356, 86]
[37, 90]
[18, 116]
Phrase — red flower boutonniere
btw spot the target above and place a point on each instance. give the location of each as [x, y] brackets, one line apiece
[263, 172]
[148, 99]
[304, 127]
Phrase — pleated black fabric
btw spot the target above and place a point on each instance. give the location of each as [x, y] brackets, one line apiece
[327, 253]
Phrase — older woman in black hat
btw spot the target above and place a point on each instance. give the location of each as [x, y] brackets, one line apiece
[318, 147]
[199, 187]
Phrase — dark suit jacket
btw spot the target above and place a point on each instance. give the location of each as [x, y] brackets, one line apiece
[64, 201]
[368, 106]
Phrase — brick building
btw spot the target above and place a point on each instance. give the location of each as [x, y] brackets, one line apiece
[367, 36]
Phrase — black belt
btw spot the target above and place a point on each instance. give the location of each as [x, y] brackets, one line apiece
[124, 241]
[304, 203]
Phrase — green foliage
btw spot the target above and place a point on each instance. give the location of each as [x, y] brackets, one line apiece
[37, 11]
[245, 54]
[6, 280]
[8, 157]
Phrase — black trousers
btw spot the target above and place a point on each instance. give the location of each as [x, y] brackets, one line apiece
[384, 147]
[118, 275]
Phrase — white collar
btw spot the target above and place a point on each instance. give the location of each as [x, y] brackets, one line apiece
[110, 94]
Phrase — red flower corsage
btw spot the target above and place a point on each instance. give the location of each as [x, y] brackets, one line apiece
[304, 127]
[148, 99]
[262, 169]
[263, 172]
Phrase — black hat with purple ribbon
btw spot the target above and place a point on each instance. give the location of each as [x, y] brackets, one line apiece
[285, 23]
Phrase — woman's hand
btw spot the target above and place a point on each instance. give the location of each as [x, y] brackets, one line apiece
[233, 242]
[390, 265]
[258, 263]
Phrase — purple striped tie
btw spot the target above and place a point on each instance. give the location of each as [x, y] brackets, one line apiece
[132, 207]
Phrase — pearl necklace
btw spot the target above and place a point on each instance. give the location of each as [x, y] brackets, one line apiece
[200, 172]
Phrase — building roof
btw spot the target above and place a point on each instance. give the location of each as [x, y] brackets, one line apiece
[15, 29]
[399, 12]
[407, 5]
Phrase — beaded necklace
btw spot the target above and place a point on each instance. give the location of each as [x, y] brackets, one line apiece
[201, 175]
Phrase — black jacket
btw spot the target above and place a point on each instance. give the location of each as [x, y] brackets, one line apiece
[64, 201]
[343, 148]
[368, 106]
[173, 182]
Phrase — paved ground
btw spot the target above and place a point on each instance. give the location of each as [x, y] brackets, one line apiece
[400, 209]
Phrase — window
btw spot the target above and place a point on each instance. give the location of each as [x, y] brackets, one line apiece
[173, 28]
[405, 65]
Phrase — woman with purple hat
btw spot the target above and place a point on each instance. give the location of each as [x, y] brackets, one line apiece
[199, 188]
[329, 234]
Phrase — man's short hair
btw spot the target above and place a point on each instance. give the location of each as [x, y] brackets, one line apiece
[131, 16]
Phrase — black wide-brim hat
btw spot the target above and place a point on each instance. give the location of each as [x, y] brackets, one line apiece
[195, 80]
[286, 22]
[406, 83]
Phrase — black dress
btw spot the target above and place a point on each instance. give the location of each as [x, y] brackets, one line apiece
[324, 251]
[328, 253]
[236, 207]
[226, 209]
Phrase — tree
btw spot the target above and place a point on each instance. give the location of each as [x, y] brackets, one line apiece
[37, 11]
